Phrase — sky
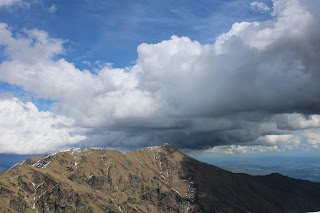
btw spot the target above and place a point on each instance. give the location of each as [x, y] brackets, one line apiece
[238, 76]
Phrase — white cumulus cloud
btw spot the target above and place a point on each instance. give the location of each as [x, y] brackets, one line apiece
[238, 149]
[52, 9]
[313, 138]
[25, 130]
[296, 121]
[279, 139]
[259, 6]
[8, 3]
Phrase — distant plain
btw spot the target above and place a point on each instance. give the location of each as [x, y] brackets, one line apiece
[297, 165]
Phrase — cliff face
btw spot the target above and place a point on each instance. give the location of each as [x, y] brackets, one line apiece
[155, 179]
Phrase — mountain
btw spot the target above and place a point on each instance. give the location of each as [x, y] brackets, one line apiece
[154, 179]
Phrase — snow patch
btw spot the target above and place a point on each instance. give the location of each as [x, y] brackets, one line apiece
[176, 191]
[15, 165]
[44, 162]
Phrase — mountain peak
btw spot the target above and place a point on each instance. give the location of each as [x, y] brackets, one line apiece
[169, 147]
[153, 179]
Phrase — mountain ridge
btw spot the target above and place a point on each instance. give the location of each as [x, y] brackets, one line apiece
[153, 179]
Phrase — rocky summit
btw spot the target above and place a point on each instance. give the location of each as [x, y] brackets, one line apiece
[154, 179]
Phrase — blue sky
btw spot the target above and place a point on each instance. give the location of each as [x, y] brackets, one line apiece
[110, 31]
[217, 76]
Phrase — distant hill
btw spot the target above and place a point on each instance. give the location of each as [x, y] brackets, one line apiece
[154, 179]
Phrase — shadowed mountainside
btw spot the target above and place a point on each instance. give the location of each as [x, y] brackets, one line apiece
[154, 179]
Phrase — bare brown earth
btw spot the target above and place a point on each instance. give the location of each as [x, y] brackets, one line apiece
[155, 179]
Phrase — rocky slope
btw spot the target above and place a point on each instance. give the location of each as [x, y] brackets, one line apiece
[155, 179]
